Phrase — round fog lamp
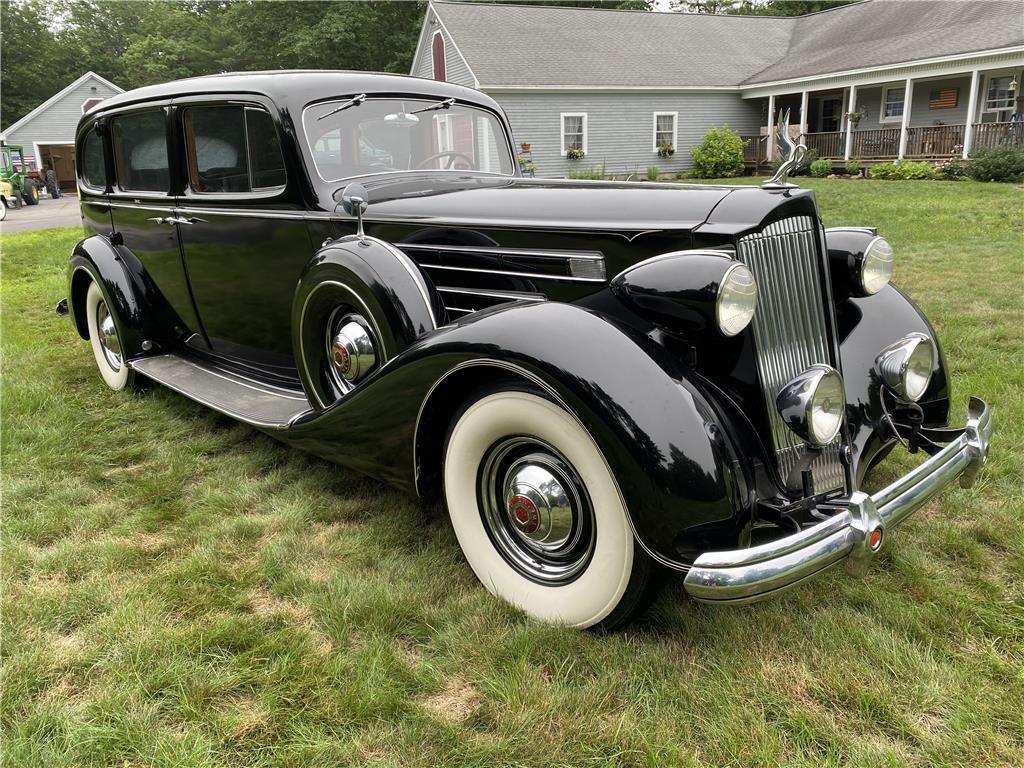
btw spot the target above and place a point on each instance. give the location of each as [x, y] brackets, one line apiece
[813, 403]
[906, 366]
[876, 266]
[737, 300]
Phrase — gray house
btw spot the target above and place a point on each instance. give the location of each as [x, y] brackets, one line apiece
[918, 79]
[48, 132]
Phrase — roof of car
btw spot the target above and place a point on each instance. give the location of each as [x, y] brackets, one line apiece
[295, 87]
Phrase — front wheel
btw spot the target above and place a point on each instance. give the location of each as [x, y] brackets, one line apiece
[31, 193]
[538, 513]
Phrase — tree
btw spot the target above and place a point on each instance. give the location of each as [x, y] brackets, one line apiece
[757, 7]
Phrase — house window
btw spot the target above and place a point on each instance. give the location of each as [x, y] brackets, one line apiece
[665, 129]
[574, 131]
[437, 55]
[892, 104]
[999, 95]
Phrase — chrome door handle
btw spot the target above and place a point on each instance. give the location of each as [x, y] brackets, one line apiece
[174, 220]
[159, 219]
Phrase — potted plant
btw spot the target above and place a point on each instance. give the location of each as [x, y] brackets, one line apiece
[525, 146]
[574, 153]
[856, 115]
[665, 149]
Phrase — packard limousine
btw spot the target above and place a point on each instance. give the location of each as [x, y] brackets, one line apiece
[602, 381]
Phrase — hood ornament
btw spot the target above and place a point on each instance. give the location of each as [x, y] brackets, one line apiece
[794, 153]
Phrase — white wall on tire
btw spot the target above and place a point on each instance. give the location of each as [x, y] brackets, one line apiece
[115, 379]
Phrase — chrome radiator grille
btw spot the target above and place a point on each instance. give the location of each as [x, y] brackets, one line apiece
[789, 330]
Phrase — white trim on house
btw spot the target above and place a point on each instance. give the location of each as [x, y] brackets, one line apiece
[57, 96]
[675, 128]
[1014, 73]
[561, 132]
[882, 117]
[455, 45]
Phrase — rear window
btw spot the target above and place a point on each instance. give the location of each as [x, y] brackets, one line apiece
[140, 152]
[231, 149]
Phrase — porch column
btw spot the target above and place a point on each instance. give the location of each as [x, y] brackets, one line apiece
[972, 111]
[770, 143]
[908, 95]
[851, 106]
[803, 112]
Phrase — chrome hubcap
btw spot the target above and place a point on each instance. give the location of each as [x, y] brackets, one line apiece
[536, 510]
[109, 342]
[351, 353]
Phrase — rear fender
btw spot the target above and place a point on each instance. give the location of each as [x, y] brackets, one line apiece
[659, 434]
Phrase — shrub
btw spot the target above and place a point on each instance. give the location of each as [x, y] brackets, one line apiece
[597, 172]
[804, 166]
[903, 170]
[652, 172]
[996, 164]
[852, 167]
[821, 168]
[720, 154]
[950, 169]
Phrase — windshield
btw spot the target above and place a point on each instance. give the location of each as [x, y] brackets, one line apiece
[388, 135]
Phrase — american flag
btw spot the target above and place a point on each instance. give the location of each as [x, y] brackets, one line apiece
[942, 98]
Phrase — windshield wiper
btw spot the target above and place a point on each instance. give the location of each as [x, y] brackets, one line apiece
[446, 104]
[355, 101]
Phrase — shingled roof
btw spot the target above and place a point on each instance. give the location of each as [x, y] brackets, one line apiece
[520, 45]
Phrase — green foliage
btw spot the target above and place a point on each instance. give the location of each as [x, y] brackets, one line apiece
[595, 173]
[719, 155]
[996, 164]
[821, 168]
[756, 7]
[574, 153]
[904, 170]
[666, 150]
[852, 167]
[652, 172]
[46, 45]
[803, 168]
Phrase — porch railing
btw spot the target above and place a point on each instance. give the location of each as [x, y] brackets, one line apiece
[755, 149]
[998, 135]
[828, 145]
[876, 143]
[934, 141]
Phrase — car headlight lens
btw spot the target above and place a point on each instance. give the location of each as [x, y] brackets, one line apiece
[737, 300]
[876, 266]
[813, 403]
[906, 366]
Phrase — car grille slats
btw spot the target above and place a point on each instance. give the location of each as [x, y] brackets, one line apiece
[790, 332]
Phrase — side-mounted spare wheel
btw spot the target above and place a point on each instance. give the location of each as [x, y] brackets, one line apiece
[539, 515]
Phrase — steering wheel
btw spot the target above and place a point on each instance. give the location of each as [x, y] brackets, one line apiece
[451, 163]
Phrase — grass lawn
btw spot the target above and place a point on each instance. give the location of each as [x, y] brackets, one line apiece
[180, 590]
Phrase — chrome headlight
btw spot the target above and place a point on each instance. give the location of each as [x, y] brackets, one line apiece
[737, 300]
[876, 266]
[906, 366]
[813, 403]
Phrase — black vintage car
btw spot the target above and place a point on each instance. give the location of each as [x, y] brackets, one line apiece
[603, 381]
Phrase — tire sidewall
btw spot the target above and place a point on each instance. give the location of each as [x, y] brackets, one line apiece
[115, 379]
[598, 589]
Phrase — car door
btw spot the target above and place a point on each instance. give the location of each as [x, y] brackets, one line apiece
[142, 207]
[248, 242]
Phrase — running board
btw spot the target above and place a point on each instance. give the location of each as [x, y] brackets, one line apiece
[252, 402]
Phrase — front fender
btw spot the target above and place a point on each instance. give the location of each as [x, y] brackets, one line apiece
[866, 325]
[658, 433]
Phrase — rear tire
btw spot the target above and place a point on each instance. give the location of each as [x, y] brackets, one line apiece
[539, 516]
[31, 193]
[105, 336]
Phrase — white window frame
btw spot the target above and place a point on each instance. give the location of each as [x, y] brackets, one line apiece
[561, 133]
[675, 129]
[989, 77]
[902, 88]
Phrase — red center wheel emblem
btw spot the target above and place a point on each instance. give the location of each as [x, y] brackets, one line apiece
[342, 359]
[525, 513]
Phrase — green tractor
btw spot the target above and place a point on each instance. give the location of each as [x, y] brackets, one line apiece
[14, 171]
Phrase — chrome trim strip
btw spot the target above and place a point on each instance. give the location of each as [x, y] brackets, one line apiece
[499, 251]
[662, 256]
[528, 275]
[748, 575]
[790, 331]
[509, 295]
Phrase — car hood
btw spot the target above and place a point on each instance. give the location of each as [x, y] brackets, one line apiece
[492, 201]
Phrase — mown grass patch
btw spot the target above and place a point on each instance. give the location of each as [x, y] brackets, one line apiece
[182, 590]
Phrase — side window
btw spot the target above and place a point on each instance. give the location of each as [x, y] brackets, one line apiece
[232, 149]
[140, 152]
[94, 170]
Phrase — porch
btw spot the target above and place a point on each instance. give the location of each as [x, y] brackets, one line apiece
[916, 119]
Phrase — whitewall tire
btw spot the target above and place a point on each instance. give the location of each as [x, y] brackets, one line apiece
[538, 514]
[105, 339]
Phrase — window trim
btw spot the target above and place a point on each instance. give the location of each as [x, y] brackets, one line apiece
[115, 186]
[902, 89]
[675, 129]
[260, 193]
[561, 139]
[444, 58]
[989, 77]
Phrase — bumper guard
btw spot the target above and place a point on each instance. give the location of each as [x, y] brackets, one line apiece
[854, 534]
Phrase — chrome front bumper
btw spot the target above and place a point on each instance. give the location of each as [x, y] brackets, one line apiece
[748, 575]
